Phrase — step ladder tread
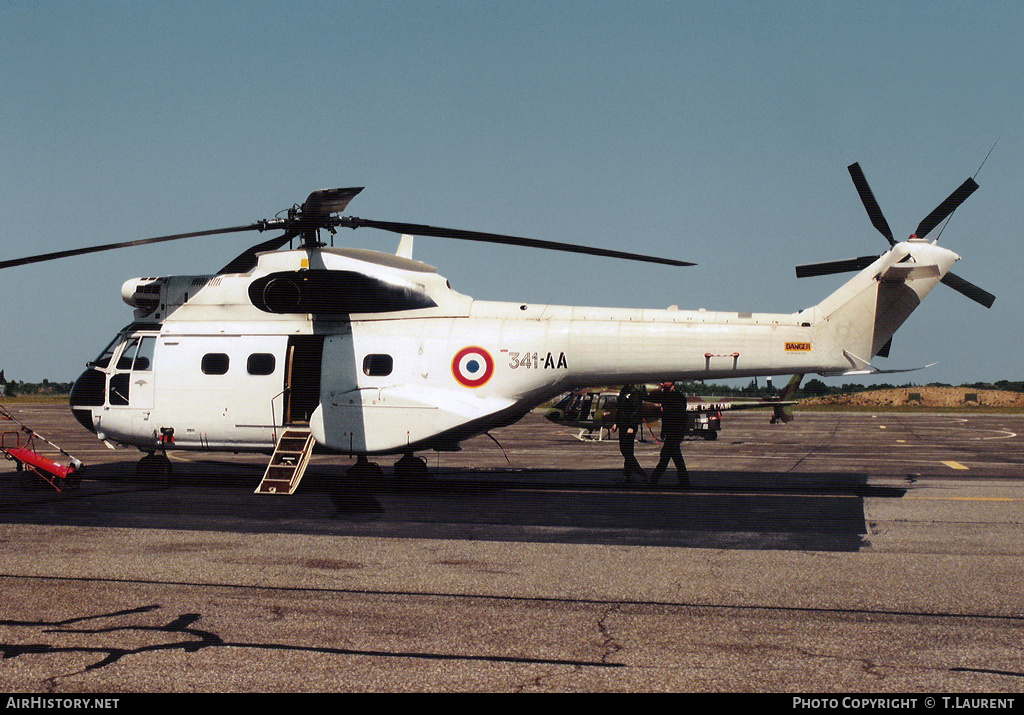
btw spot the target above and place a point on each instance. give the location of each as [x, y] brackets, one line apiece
[287, 463]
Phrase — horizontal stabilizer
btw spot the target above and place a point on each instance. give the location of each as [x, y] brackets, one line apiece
[909, 271]
[859, 366]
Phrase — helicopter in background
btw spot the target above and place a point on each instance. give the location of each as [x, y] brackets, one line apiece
[593, 412]
[366, 353]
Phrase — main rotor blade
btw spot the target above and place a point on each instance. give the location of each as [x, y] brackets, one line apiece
[247, 260]
[421, 230]
[870, 204]
[946, 208]
[969, 289]
[259, 226]
[314, 214]
[830, 267]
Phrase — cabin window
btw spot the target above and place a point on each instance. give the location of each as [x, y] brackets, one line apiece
[261, 364]
[378, 365]
[215, 363]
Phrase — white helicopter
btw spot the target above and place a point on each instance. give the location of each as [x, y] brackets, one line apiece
[367, 353]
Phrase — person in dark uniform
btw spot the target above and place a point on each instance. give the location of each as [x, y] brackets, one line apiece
[628, 413]
[673, 429]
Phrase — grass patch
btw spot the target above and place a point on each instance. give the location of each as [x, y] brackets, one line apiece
[34, 399]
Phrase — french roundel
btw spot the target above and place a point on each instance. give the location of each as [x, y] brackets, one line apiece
[472, 367]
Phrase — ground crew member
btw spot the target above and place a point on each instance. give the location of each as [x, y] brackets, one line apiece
[673, 429]
[628, 413]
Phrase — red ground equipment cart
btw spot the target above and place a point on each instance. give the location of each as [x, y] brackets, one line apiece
[19, 443]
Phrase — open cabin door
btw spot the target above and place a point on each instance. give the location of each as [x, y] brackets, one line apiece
[302, 377]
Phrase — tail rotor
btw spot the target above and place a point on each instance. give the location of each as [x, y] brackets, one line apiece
[874, 211]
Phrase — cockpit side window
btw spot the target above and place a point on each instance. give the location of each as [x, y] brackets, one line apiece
[120, 386]
[144, 356]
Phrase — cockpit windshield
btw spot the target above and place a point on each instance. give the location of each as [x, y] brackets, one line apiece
[128, 355]
[137, 353]
[108, 352]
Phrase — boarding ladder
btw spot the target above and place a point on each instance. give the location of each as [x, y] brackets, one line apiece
[26, 456]
[288, 463]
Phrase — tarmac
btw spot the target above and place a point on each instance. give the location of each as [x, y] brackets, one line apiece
[845, 552]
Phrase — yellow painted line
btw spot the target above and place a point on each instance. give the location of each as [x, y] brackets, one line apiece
[662, 491]
[963, 498]
[697, 492]
[954, 465]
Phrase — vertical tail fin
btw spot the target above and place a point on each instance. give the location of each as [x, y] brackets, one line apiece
[859, 319]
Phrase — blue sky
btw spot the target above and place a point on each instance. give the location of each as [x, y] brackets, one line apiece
[714, 132]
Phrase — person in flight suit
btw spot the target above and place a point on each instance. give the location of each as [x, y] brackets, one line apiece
[673, 429]
[628, 409]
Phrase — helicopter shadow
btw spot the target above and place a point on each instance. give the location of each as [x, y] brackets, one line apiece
[719, 510]
[741, 510]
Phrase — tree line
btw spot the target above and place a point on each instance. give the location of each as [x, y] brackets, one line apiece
[13, 388]
[816, 388]
[811, 388]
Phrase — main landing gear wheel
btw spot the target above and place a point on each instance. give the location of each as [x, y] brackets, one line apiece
[411, 468]
[155, 467]
[363, 470]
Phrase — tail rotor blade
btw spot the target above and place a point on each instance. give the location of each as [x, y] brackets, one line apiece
[945, 208]
[870, 203]
[970, 290]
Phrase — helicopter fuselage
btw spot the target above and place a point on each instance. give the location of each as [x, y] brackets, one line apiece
[377, 354]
